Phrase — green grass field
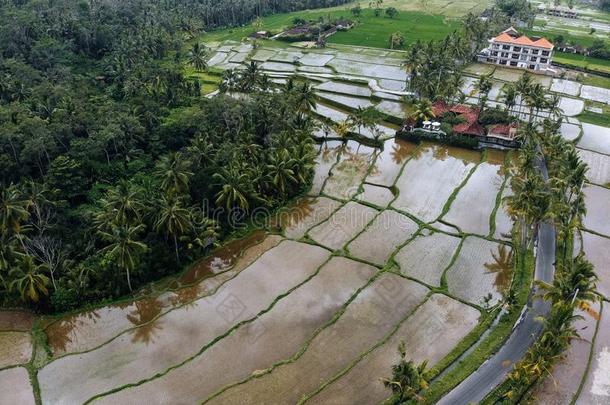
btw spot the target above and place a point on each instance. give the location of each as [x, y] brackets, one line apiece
[412, 21]
[585, 62]
[595, 118]
[597, 81]
[375, 31]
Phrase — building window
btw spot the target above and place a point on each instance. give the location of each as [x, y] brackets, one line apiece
[533, 59]
[505, 47]
[543, 60]
[533, 67]
[495, 53]
[535, 52]
[505, 54]
[526, 51]
[523, 57]
[515, 56]
[545, 53]
[517, 49]
[513, 63]
[503, 62]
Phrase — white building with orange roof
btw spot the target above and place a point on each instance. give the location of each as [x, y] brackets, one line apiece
[519, 51]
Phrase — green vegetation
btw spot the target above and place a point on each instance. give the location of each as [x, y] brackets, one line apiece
[374, 31]
[370, 30]
[583, 62]
[115, 171]
[602, 119]
[594, 80]
[407, 378]
[560, 200]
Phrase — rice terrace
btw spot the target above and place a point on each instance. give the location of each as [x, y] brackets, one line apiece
[290, 202]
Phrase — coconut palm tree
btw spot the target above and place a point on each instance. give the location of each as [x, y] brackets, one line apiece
[305, 98]
[423, 110]
[536, 100]
[174, 171]
[552, 105]
[523, 87]
[230, 81]
[197, 57]
[236, 188]
[124, 246]
[483, 86]
[407, 378]
[173, 219]
[280, 170]
[13, 210]
[122, 205]
[575, 282]
[342, 128]
[509, 97]
[28, 279]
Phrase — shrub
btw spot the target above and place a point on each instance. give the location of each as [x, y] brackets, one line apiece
[64, 299]
[494, 116]
[447, 128]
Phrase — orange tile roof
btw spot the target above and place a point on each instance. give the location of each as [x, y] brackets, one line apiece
[543, 43]
[523, 40]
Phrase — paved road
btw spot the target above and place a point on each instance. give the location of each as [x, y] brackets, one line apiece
[495, 370]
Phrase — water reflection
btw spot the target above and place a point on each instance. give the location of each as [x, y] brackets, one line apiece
[220, 260]
[502, 267]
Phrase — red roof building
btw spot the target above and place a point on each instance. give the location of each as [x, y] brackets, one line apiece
[470, 115]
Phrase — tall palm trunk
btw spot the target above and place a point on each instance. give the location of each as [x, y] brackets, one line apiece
[128, 280]
[176, 248]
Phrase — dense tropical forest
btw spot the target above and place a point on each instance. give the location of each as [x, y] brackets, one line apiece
[114, 168]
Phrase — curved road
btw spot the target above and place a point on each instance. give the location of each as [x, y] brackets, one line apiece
[495, 370]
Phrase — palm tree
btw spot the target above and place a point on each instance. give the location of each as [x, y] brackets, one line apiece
[236, 188]
[342, 128]
[124, 247]
[230, 81]
[509, 97]
[174, 172]
[553, 105]
[423, 110]
[13, 210]
[407, 378]
[536, 100]
[280, 170]
[123, 205]
[575, 282]
[523, 87]
[197, 57]
[483, 86]
[250, 77]
[305, 98]
[173, 219]
[29, 280]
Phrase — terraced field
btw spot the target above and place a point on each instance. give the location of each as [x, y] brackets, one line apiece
[340, 281]
[401, 243]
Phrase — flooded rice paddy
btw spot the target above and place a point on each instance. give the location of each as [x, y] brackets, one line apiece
[276, 307]
[313, 307]
[275, 304]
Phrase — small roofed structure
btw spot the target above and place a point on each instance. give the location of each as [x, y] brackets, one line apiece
[503, 135]
[503, 131]
[343, 24]
[260, 35]
[470, 115]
